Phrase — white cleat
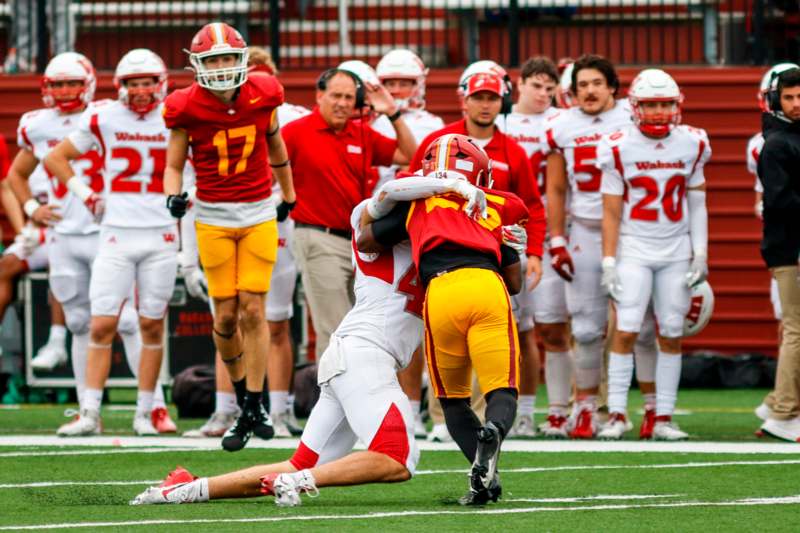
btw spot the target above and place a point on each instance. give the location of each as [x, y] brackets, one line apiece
[216, 426]
[523, 427]
[86, 423]
[763, 412]
[420, 431]
[279, 425]
[143, 425]
[783, 429]
[288, 487]
[668, 430]
[555, 427]
[615, 428]
[49, 357]
[439, 433]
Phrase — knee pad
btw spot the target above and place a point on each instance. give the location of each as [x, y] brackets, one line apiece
[585, 330]
[589, 355]
[77, 319]
[672, 327]
[128, 320]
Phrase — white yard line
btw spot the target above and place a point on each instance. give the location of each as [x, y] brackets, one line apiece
[599, 497]
[49, 484]
[542, 446]
[789, 500]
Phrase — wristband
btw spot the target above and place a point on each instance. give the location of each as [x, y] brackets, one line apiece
[79, 188]
[558, 242]
[608, 262]
[30, 207]
[394, 116]
[280, 165]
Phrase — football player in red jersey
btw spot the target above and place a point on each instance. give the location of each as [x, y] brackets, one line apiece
[467, 314]
[230, 123]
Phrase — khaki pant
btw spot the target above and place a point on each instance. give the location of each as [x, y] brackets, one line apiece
[784, 401]
[326, 268]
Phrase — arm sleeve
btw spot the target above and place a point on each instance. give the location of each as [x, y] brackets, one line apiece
[529, 193]
[698, 221]
[382, 148]
[82, 137]
[776, 168]
[508, 256]
[698, 177]
[391, 229]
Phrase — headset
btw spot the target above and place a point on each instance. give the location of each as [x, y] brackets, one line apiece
[325, 77]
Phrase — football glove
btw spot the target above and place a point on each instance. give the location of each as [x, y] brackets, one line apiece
[561, 259]
[516, 237]
[178, 204]
[96, 206]
[610, 278]
[195, 281]
[698, 271]
[476, 198]
[284, 208]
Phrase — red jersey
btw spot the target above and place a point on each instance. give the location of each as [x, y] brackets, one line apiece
[441, 219]
[511, 172]
[5, 161]
[228, 141]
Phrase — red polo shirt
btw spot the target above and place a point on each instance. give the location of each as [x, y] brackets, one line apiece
[332, 170]
[511, 171]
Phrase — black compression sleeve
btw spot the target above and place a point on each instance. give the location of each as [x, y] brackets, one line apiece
[391, 229]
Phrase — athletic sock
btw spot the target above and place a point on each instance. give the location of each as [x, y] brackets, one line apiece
[240, 388]
[277, 402]
[668, 377]
[193, 492]
[158, 397]
[144, 403]
[558, 370]
[80, 355]
[526, 404]
[92, 399]
[252, 401]
[462, 424]
[226, 403]
[649, 400]
[620, 372]
[588, 363]
[646, 354]
[58, 335]
[501, 409]
[415, 407]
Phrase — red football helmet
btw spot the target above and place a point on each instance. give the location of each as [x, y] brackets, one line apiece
[458, 153]
[218, 39]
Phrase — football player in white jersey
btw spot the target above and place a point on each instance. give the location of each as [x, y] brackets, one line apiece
[403, 74]
[573, 186]
[138, 237]
[545, 306]
[67, 88]
[29, 253]
[279, 302]
[360, 397]
[655, 239]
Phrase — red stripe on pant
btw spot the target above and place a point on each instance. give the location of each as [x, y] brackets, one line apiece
[432, 355]
[391, 439]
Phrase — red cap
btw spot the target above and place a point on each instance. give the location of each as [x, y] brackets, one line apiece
[484, 82]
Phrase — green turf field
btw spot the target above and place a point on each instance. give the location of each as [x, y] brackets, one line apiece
[45, 486]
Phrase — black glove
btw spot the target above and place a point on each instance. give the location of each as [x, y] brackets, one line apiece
[284, 208]
[177, 204]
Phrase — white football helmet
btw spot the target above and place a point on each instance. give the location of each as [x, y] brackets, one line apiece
[218, 39]
[564, 95]
[364, 72]
[404, 65]
[140, 63]
[700, 309]
[484, 66]
[655, 85]
[767, 79]
[69, 66]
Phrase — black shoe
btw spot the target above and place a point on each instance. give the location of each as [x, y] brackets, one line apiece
[261, 423]
[483, 496]
[484, 467]
[238, 434]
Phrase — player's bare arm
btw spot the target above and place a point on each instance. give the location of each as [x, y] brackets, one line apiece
[556, 194]
[512, 275]
[11, 207]
[382, 102]
[22, 167]
[177, 150]
[57, 161]
[279, 161]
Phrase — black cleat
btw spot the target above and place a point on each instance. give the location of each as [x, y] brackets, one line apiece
[261, 423]
[484, 467]
[483, 496]
[238, 434]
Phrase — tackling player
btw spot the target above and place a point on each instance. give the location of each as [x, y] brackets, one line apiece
[68, 86]
[467, 314]
[655, 239]
[360, 395]
[228, 120]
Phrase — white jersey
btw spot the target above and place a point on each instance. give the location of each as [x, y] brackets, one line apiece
[39, 184]
[134, 149]
[389, 297]
[528, 131]
[420, 122]
[653, 175]
[40, 131]
[754, 146]
[576, 135]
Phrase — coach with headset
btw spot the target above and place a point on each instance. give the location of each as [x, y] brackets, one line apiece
[331, 155]
[779, 172]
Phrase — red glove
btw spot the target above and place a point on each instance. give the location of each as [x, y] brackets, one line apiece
[96, 205]
[561, 260]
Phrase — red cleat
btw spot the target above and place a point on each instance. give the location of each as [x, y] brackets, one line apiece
[648, 421]
[584, 425]
[178, 476]
[161, 420]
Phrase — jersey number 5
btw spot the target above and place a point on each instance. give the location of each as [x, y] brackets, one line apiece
[585, 157]
[221, 139]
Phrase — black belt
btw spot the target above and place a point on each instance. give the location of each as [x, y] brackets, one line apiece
[347, 234]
